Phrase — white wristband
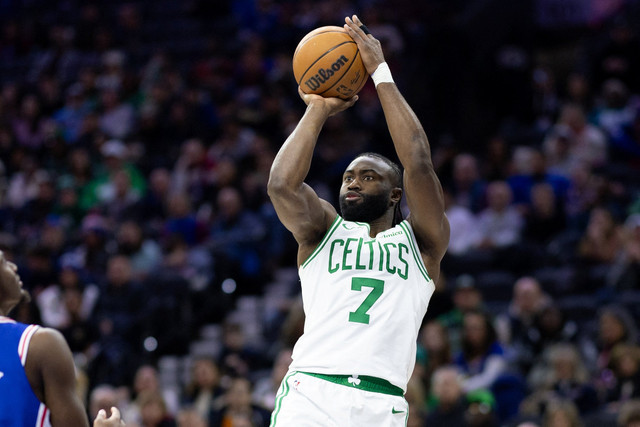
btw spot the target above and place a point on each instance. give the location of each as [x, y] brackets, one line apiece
[382, 74]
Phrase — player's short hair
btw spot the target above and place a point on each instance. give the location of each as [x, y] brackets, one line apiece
[397, 172]
[398, 216]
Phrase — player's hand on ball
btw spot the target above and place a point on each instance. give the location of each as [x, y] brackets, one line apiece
[333, 105]
[370, 47]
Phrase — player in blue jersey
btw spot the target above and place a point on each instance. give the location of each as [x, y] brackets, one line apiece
[366, 274]
[37, 374]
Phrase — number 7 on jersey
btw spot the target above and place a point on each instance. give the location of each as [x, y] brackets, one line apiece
[357, 283]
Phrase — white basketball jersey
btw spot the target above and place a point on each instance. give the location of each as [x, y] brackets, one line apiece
[364, 299]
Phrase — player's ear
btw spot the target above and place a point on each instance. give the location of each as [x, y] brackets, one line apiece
[396, 195]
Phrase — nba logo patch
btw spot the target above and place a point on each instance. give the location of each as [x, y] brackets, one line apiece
[296, 383]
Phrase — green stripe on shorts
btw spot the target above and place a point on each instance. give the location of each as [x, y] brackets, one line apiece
[284, 390]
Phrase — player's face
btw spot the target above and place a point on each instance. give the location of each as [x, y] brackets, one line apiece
[11, 292]
[365, 191]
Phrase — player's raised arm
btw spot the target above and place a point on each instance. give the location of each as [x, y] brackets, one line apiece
[421, 184]
[50, 367]
[298, 206]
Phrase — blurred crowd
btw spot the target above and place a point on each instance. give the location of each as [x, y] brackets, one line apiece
[136, 139]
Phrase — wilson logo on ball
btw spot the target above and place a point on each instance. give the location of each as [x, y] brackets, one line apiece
[327, 62]
[324, 74]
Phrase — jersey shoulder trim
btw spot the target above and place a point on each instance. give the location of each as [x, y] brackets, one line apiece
[325, 239]
[406, 227]
[25, 340]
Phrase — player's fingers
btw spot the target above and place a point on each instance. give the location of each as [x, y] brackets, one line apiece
[353, 29]
[115, 413]
[360, 25]
[102, 414]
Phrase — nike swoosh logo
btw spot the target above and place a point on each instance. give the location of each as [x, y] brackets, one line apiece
[393, 411]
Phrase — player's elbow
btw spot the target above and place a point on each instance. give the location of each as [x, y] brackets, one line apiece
[278, 186]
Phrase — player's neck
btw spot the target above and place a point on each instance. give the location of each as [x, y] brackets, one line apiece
[379, 225]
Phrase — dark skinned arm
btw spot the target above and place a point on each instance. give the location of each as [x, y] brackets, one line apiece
[298, 206]
[421, 184]
[52, 375]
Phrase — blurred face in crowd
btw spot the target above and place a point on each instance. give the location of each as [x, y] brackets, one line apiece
[612, 330]
[119, 271]
[475, 329]
[206, 373]
[146, 379]
[239, 394]
[433, 336]
[527, 295]
[467, 298]
[499, 195]
[447, 386]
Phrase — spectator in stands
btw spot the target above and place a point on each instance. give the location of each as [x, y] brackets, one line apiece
[468, 187]
[599, 246]
[530, 168]
[449, 398]
[103, 188]
[550, 326]
[237, 404]
[203, 388]
[235, 240]
[625, 272]
[586, 142]
[189, 417]
[30, 128]
[23, 183]
[146, 381]
[181, 220]
[562, 376]
[265, 389]
[239, 356]
[561, 413]
[90, 254]
[625, 142]
[466, 297]
[545, 219]
[70, 117]
[625, 365]
[453, 406]
[500, 223]
[145, 254]
[118, 316]
[482, 359]
[629, 415]
[615, 326]
[615, 108]
[464, 226]
[527, 301]
[434, 349]
[153, 410]
[152, 206]
[51, 301]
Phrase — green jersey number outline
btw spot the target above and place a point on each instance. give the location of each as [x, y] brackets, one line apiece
[377, 287]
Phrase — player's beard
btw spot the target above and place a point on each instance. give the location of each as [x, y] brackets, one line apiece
[367, 209]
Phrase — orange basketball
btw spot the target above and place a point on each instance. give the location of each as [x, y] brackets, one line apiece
[327, 62]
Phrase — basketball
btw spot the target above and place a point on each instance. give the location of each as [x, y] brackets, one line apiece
[327, 62]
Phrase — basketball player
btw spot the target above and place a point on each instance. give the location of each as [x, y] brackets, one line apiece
[366, 274]
[37, 375]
